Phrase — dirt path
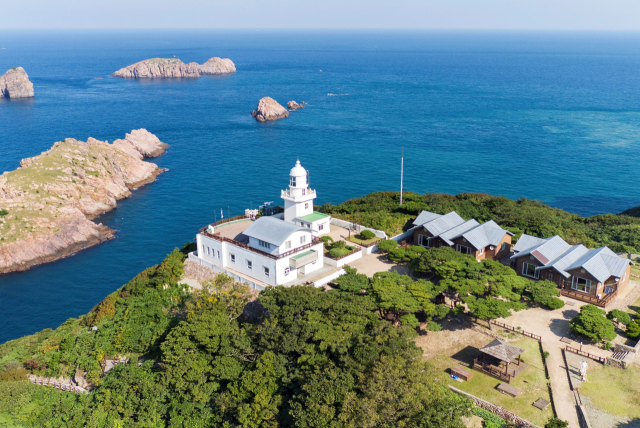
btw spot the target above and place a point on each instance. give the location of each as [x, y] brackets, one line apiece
[563, 398]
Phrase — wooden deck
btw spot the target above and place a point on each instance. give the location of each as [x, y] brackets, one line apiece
[499, 370]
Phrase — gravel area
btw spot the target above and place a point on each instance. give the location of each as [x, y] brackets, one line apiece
[196, 271]
[598, 418]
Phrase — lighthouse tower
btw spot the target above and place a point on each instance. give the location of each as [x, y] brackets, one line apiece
[298, 198]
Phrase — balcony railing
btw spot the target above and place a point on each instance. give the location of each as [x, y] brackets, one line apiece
[288, 194]
[491, 370]
[585, 297]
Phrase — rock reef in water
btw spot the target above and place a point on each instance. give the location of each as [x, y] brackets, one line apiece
[47, 204]
[292, 105]
[173, 67]
[269, 109]
[15, 84]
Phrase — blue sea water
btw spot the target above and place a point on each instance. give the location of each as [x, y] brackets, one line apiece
[549, 116]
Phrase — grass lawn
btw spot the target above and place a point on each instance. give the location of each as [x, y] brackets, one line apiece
[532, 382]
[365, 242]
[634, 308]
[614, 390]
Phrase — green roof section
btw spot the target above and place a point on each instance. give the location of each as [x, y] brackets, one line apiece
[306, 253]
[313, 217]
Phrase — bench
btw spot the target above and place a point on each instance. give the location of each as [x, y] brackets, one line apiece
[461, 373]
[508, 389]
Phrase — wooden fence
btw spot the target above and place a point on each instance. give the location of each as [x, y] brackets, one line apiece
[586, 354]
[59, 385]
[524, 333]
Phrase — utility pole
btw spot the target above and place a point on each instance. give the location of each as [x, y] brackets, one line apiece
[401, 174]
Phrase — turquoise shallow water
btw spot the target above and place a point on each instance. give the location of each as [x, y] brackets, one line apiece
[548, 116]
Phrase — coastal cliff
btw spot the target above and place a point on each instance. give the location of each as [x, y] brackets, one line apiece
[269, 109]
[173, 67]
[47, 204]
[15, 84]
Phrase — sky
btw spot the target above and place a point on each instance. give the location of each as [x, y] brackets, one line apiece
[607, 15]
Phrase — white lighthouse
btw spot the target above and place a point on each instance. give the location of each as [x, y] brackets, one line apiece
[298, 203]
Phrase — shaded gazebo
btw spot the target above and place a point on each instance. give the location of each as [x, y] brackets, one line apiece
[498, 360]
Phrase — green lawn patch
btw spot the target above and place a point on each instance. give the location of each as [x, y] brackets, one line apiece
[614, 390]
[532, 382]
[364, 242]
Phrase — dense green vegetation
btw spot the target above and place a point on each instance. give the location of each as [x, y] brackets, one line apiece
[300, 357]
[593, 323]
[381, 210]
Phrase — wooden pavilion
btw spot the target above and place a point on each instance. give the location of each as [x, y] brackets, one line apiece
[498, 360]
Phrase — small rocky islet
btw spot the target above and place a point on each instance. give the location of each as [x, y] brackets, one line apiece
[15, 83]
[269, 109]
[46, 205]
[173, 67]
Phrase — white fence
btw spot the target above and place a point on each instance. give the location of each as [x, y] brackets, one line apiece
[343, 261]
[327, 279]
[358, 227]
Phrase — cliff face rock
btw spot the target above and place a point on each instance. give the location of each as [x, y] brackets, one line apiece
[173, 67]
[15, 84]
[217, 65]
[269, 109]
[47, 204]
[292, 105]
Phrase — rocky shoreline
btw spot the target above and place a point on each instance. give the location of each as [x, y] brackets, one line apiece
[173, 67]
[47, 204]
[15, 84]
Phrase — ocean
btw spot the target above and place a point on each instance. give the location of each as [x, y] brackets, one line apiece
[548, 116]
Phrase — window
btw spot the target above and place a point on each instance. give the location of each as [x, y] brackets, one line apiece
[550, 276]
[530, 270]
[265, 270]
[249, 264]
[303, 239]
[293, 181]
[218, 253]
[623, 277]
[233, 257]
[306, 206]
[481, 250]
[320, 226]
[208, 252]
[462, 249]
[504, 245]
[287, 245]
[264, 244]
[608, 289]
[425, 241]
[581, 284]
[287, 270]
[304, 191]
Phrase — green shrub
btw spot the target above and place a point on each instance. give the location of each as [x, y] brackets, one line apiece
[387, 245]
[607, 346]
[433, 326]
[555, 303]
[554, 422]
[459, 309]
[367, 234]
[442, 311]
[633, 330]
[409, 320]
[593, 324]
[620, 316]
[3, 212]
[546, 355]
[490, 420]
[339, 244]
[326, 239]
[335, 253]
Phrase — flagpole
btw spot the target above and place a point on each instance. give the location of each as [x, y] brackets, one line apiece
[401, 174]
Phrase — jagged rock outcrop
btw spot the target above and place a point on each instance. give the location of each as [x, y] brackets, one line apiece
[292, 105]
[47, 204]
[173, 67]
[217, 65]
[15, 84]
[269, 109]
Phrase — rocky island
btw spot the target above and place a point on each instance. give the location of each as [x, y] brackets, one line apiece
[46, 205]
[292, 105]
[269, 109]
[173, 67]
[15, 84]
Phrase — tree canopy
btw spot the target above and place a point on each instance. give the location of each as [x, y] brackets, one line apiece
[593, 323]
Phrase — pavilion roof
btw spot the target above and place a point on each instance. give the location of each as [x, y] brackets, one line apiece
[502, 351]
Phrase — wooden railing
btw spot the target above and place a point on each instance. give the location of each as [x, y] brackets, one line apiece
[491, 370]
[608, 298]
[524, 333]
[586, 354]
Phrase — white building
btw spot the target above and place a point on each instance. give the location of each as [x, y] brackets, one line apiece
[270, 250]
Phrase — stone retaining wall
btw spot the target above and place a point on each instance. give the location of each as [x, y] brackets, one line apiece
[497, 410]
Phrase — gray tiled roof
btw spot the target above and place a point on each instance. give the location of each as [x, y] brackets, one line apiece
[567, 259]
[527, 241]
[502, 351]
[483, 235]
[272, 230]
[425, 216]
[601, 263]
[458, 230]
[547, 251]
[443, 223]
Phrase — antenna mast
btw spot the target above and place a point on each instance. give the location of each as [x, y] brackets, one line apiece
[401, 174]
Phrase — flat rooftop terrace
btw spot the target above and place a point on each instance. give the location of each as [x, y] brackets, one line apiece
[234, 230]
